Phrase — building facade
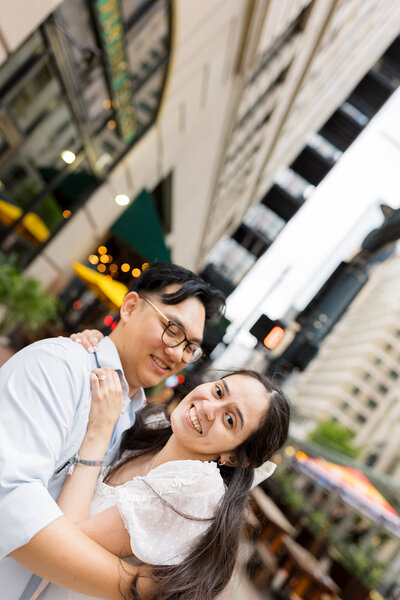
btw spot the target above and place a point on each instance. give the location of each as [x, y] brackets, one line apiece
[354, 379]
[171, 117]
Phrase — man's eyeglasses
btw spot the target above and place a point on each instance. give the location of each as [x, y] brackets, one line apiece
[173, 336]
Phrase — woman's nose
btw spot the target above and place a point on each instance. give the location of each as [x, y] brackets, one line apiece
[210, 408]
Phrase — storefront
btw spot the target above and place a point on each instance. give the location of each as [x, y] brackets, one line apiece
[74, 98]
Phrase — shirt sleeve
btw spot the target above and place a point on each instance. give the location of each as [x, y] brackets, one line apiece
[159, 534]
[39, 390]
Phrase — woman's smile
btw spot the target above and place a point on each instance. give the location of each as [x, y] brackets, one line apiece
[193, 419]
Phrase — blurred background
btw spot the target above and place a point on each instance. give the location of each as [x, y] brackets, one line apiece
[256, 142]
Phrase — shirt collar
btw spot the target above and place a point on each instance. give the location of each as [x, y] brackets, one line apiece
[107, 356]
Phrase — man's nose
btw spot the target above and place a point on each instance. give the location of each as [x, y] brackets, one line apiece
[175, 353]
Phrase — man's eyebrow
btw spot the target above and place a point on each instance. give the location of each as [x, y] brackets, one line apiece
[177, 321]
[239, 412]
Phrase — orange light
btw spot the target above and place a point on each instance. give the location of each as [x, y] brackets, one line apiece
[104, 258]
[301, 456]
[111, 124]
[102, 250]
[136, 272]
[93, 259]
[113, 268]
[145, 266]
[66, 214]
[107, 104]
[101, 268]
[274, 337]
[77, 304]
[180, 378]
[125, 267]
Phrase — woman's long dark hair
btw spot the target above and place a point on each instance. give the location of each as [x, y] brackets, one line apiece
[208, 568]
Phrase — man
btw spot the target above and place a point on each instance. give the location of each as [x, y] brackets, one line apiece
[45, 400]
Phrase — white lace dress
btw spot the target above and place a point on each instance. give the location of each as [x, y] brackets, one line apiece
[158, 534]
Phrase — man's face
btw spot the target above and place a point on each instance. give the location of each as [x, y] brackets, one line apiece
[145, 358]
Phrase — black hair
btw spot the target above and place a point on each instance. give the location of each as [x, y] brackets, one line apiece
[208, 568]
[159, 275]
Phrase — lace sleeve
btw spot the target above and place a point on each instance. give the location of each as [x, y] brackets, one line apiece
[156, 509]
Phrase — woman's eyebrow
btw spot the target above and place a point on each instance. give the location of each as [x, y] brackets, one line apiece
[239, 412]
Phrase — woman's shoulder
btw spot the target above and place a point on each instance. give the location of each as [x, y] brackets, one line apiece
[186, 473]
[180, 476]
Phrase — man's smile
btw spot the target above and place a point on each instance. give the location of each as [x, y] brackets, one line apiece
[160, 363]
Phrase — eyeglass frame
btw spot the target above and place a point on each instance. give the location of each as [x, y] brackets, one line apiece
[169, 323]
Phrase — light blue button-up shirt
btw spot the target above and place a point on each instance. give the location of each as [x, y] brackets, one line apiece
[45, 396]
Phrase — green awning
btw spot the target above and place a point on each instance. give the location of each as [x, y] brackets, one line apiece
[139, 226]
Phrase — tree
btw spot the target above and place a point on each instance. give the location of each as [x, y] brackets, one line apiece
[23, 300]
[335, 437]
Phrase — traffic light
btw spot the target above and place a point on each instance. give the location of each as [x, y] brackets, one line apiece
[268, 332]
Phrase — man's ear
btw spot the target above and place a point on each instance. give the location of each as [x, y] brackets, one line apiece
[129, 305]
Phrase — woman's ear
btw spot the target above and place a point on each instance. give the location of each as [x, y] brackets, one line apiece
[129, 304]
[230, 460]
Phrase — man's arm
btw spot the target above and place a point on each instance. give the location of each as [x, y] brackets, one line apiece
[62, 554]
[40, 388]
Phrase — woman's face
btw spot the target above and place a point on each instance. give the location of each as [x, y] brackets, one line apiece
[215, 418]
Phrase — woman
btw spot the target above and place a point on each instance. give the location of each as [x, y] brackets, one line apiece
[176, 497]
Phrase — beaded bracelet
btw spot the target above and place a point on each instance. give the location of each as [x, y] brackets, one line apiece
[89, 463]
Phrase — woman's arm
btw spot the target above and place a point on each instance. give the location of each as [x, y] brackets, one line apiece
[108, 530]
[107, 403]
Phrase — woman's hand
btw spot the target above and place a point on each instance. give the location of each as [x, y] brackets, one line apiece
[107, 403]
[107, 400]
[89, 339]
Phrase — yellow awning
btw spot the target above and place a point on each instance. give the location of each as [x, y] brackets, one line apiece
[109, 291]
[31, 227]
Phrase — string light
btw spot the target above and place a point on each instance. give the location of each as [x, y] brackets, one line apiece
[101, 268]
[145, 266]
[93, 259]
[108, 320]
[136, 272]
[67, 214]
[122, 199]
[104, 258]
[102, 250]
[113, 268]
[68, 156]
[111, 124]
[125, 267]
